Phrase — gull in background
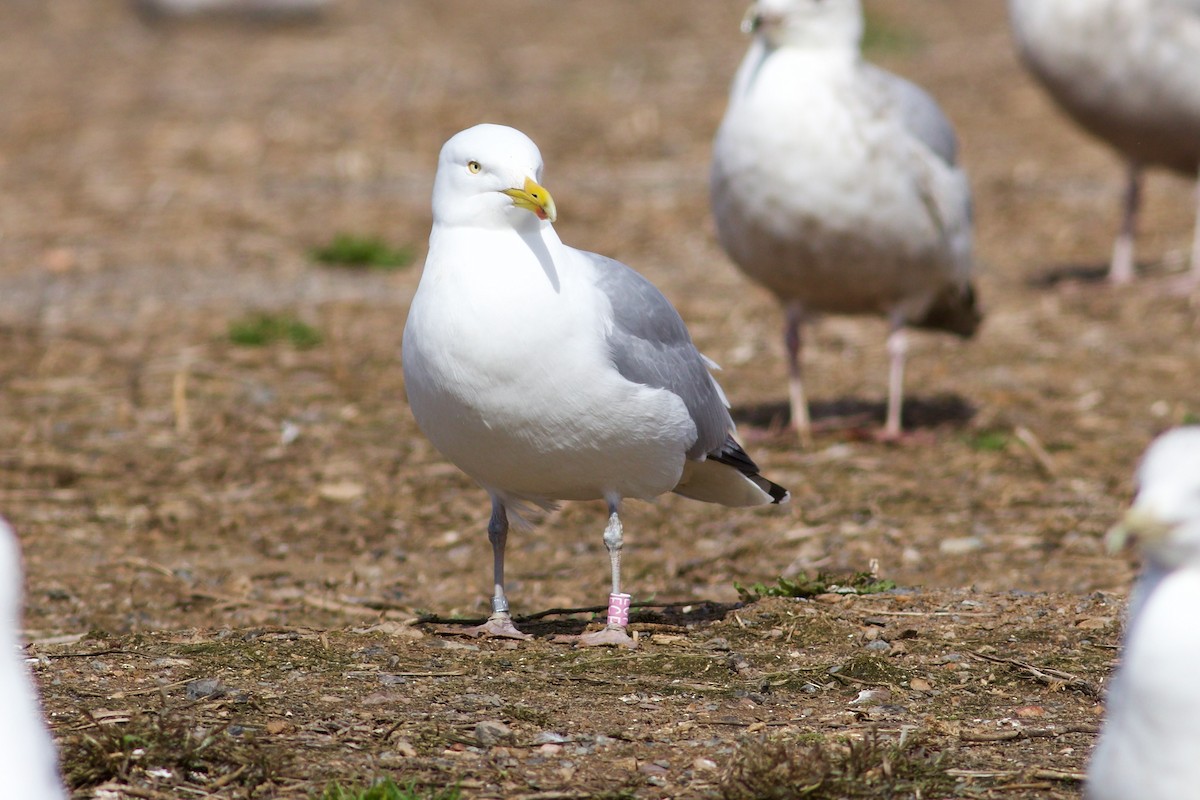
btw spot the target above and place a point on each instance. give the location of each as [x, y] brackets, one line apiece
[1150, 740]
[28, 760]
[548, 373]
[835, 185]
[1128, 71]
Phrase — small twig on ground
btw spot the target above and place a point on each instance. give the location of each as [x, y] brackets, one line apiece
[151, 690]
[228, 779]
[1026, 733]
[1039, 774]
[125, 790]
[1046, 675]
[1041, 456]
[95, 653]
[888, 613]
[434, 619]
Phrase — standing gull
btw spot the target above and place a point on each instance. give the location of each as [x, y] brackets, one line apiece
[28, 762]
[1127, 71]
[834, 185]
[1150, 741]
[548, 373]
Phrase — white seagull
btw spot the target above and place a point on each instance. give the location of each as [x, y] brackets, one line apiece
[835, 186]
[1149, 747]
[548, 373]
[28, 760]
[1128, 71]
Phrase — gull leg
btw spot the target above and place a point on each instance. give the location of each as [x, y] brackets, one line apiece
[1121, 269]
[615, 633]
[1194, 275]
[500, 622]
[897, 347]
[799, 403]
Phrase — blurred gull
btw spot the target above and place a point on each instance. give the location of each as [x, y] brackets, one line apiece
[28, 762]
[548, 373]
[835, 185]
[1127, 71]
[1150, 741]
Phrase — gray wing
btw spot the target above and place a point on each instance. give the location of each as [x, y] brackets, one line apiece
[918, 111]
[650, 345]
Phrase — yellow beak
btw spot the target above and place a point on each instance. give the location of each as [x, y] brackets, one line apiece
[535, 198]
[1138, 523]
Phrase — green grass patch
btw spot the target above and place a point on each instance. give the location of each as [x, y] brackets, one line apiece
[349, 250]
[261, 329]
[387, 789]
[989, 441]
[804, 586]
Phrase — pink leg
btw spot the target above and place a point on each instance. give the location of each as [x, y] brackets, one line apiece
[897, 347]
[792, 332]
[615, 632]
[1121, 270]
[1195, 271]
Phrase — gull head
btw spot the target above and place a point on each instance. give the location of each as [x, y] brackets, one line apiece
[489, 176]
[810, 24]
[1165, 515]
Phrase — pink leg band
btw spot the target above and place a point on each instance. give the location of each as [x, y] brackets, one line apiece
[618, 609]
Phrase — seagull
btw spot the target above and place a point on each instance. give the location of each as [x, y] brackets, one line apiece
[548, 373]
[28, 760]
[1151, 736]
[835, 186]
[1126, 71]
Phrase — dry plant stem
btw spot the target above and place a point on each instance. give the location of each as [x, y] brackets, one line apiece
[1041, 456]
[1046, 675]
[1026, 733]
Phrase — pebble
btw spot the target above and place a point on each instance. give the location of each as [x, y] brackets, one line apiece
[961, 545]
[491, 732]
[206, 688]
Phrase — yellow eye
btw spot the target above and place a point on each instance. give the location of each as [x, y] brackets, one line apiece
[474, 166]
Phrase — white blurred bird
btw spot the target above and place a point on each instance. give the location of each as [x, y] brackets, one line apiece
[1128, 71]
[835, 186]
[1149, 746]
[28, 760]
[548, 373]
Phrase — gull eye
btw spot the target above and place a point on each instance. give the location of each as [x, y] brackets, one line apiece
[474, 166]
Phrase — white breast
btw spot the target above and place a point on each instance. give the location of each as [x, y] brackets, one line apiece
[1151, 738]
[508, 375]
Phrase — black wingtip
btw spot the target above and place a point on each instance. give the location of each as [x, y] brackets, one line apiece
[731, 453]
[956, 310]
[778, 493]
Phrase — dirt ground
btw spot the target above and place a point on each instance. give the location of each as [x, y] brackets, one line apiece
[229, 548]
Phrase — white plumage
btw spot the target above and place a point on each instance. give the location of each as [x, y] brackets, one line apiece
[28, 761]
[547, 373]
[1126, 71]
[835, 185]
[1150, 742]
